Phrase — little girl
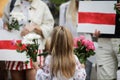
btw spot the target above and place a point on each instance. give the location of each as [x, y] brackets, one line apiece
[61, 63]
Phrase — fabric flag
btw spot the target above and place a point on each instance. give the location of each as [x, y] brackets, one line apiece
[8, 49]
[96, 15]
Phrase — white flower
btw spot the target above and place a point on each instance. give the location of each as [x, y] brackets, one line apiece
[28, 39]
[24, 41]
[17, 15]
[31, 36]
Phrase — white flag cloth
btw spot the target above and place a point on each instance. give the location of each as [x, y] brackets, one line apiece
[7, 51]
[98, 15]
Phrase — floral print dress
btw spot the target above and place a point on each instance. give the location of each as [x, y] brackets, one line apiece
[44, 73]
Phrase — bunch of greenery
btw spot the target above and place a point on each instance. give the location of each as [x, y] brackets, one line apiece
[83, 48]
[29, 45]
[58, 3]
[30, 50]
[14, 24]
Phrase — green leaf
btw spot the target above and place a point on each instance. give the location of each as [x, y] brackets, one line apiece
[14, 25]
[43, 54]
[26, 62]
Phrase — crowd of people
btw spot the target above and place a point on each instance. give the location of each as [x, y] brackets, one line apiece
[58, 62]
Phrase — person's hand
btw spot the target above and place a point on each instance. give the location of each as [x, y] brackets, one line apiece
[27, 29]
[35, 65]
[118, 6]
[5, 26]
[38, 31]
[24, 32]
[30, 27]
[96, 33]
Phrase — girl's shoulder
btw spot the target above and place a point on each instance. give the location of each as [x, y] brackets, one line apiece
[48, 59]
[76, 58]
[78, 64]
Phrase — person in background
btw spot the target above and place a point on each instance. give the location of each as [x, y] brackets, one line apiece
[61, 57]
[38, 19]
[108, 57]
[68, 18]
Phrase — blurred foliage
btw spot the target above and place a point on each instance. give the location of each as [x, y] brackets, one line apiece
[58, 3]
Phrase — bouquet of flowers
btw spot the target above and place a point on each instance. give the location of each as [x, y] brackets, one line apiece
[29, 45]
[83, 48]
[13, 25]
[15, 18]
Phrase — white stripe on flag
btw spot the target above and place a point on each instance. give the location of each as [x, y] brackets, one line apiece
[107, 29]
[12, 55]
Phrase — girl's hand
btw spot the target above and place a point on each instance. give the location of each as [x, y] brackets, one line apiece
[35, 65]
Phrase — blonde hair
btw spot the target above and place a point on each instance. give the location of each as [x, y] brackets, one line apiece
[62, 52]
[72, 11]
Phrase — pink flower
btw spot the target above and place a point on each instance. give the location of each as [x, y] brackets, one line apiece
[75, 42]
[84, 42]
[83, 48]
[91, 45]
[81, 37]
[14, 42]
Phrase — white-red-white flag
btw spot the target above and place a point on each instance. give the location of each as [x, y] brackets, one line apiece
[8, 49]
[96, 15]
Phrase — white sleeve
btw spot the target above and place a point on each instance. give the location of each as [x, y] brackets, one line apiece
[47, 22]
[80, 73]
[1, 23]
[44, 74]
[6, 12]
[62, 15]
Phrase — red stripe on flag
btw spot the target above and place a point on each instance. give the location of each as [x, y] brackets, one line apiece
[8, 44]
[96, 18]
